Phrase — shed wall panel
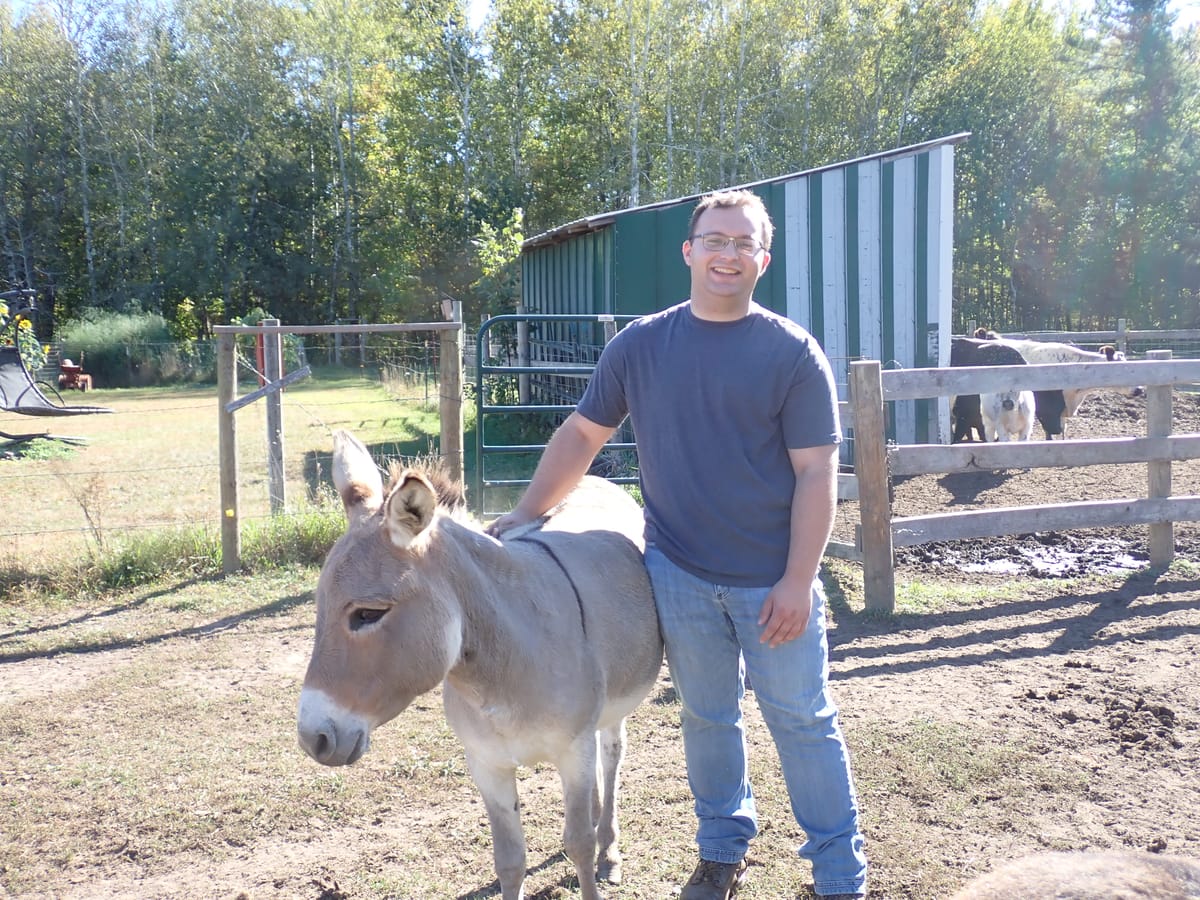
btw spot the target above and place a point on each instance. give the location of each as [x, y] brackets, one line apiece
[902, 241]
[870, 275]
[834, 337]
[795, 237]
[862, 259]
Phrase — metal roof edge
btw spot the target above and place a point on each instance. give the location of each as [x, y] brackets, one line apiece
[603, 220]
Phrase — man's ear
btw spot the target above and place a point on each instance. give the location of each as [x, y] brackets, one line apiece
[687, 253]
[766, 260]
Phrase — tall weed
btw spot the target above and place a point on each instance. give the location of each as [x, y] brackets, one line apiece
[301, 538]
[132, 349]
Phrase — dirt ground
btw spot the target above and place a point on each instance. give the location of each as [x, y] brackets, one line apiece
[1103, 675]
[1016, 701]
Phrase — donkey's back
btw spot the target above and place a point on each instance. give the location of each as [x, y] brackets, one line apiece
[1089, 875]
[592, 545]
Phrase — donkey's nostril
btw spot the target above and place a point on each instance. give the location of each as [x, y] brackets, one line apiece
[323, 746]
[320, 742]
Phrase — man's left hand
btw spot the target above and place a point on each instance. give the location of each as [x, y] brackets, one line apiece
[785, 613]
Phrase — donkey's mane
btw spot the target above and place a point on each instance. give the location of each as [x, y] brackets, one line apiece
[451, 495]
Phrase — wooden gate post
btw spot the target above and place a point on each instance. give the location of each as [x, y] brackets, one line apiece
[1158, 424]
[874, 503]
[450, 391]
[272, 372]
[231, 540]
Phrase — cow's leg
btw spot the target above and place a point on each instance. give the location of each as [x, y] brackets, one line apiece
[577, 770]
[498, 786]
[1027, 427]
[608, 830]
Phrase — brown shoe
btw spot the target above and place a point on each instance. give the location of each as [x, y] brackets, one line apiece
[714, 880]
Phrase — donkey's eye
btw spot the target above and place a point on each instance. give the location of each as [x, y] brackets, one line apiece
[364, 616]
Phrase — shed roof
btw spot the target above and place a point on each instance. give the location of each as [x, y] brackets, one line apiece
[603, 220]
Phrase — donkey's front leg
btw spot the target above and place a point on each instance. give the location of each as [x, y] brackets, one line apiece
[498, 785]
[608, 854]
[577, 770]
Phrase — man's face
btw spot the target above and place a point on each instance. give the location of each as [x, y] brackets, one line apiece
[728, 272]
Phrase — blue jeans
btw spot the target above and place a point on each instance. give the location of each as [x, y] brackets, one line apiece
[711, 632]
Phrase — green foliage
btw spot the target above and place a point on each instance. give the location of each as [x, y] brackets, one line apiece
[498, 255]
[33, 352]
[131, 349]
[37, 449]
[363, 159]
[185, 325]
[293, 346]
[299, 538]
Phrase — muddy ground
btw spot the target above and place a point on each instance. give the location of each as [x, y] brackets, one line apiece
[1050, 554]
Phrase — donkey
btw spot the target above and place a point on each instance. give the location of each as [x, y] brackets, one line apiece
[1091, 875]
[543, 643]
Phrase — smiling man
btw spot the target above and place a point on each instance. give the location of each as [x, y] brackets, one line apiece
[734, 411]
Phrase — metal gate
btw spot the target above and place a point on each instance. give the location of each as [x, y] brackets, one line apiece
[573, 337]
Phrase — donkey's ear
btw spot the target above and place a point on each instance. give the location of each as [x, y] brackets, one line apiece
[410, 508]
[355, 476]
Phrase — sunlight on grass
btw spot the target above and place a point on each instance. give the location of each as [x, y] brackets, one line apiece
[925, 597]
[37, 449]
[948, 765]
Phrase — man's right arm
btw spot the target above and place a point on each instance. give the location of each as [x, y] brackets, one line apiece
[565, 461]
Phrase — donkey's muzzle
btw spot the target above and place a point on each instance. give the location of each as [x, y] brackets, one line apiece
[330, 735]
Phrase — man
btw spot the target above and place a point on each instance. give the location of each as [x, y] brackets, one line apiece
[734, 411]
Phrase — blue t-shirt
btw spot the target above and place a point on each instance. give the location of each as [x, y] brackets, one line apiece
[715, 406]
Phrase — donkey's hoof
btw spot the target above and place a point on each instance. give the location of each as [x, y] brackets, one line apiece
[609, 870]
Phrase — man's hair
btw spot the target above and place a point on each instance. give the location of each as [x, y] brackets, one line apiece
[748, 200]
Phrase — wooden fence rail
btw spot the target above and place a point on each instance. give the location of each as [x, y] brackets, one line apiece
[875, 462]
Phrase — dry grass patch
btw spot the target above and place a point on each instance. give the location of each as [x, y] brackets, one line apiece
[153, 463]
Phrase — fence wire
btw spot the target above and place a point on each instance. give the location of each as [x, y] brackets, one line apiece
[153, 464]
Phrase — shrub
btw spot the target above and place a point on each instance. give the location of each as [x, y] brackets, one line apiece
[125, 350]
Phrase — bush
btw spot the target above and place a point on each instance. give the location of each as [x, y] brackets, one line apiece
[128, 350]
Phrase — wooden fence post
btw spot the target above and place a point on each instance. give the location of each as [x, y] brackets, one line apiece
[874, 501]
[272, 372]
[1158, 424]
[610, 328]
[450, 391]
[231, 541]
[524, 382]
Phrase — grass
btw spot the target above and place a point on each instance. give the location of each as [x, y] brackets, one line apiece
[141, 497]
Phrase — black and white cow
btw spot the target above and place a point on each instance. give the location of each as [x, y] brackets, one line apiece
[965, 411]
[1053, 406]
[1007, 414]
[1046, 352]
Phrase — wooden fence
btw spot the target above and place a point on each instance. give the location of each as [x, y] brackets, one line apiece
[450, 403]
[875, 462]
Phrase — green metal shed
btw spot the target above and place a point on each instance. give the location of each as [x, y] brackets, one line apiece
[861, 258]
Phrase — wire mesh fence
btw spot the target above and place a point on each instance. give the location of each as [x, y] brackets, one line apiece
[154, 464]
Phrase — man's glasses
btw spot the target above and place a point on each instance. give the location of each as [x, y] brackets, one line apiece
[715, 242]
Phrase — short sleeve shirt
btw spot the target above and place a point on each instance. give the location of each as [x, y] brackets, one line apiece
[715, 406]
